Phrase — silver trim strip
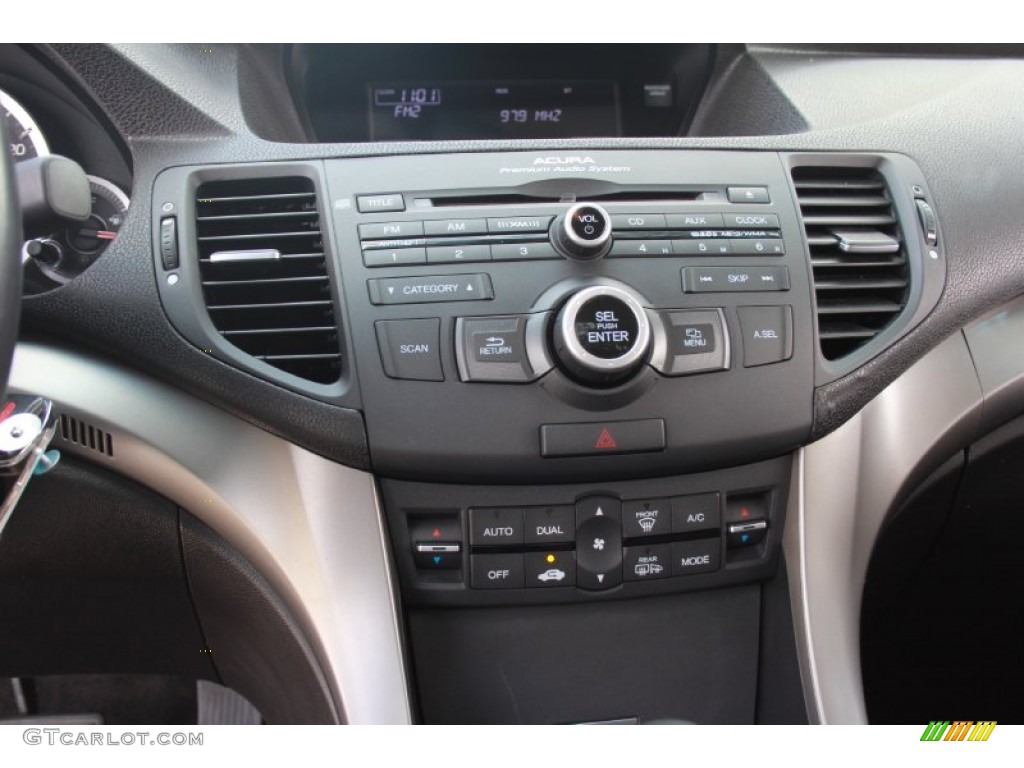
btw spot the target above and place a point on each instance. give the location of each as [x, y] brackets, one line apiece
[313, 528]
[844, 486]
[262, 254]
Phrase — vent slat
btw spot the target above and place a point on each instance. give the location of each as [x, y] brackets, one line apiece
[278, 310]
[828, 201]
[857, 254]
[833, 220]
[852, 185]
[85, 435]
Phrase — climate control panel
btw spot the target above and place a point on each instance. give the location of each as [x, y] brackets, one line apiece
[478, 545]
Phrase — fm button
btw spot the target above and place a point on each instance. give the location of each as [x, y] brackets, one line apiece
[602, 334]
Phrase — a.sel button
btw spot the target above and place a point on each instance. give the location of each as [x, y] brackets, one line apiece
[427, 289]
[497, 571]
[496, 527]
[767, 335]
[690, 557]
[410, 349]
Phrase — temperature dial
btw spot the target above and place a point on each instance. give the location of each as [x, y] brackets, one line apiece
[584, 232]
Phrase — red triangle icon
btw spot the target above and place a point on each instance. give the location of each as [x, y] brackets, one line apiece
[436, 533]
[605, 440]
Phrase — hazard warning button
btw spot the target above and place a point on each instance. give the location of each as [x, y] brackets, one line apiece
[602, 438]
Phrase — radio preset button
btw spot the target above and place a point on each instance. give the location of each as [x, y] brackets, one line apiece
[395, 257]
[523, 251]
[451, 254]
[641, 248]
[702, 247]
[759, 247]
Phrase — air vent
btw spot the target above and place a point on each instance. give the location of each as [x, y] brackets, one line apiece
[857, 254]
[264, 274]
[86, 435]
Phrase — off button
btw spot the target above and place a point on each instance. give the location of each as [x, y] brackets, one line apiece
[498, 571]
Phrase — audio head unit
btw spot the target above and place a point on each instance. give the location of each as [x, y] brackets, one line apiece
[575, 317]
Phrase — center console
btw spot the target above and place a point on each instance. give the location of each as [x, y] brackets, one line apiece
[582, 375]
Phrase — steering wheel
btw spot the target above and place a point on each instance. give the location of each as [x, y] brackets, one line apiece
[10, 263]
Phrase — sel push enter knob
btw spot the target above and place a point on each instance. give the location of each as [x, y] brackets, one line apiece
[602, 334]
[584, 232]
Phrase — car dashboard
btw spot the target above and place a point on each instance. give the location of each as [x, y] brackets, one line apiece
[506, 384]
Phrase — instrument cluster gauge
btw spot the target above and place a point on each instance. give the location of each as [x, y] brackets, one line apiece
[27, 141]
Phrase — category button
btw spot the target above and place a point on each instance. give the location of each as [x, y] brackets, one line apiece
[646, 517]
[429, 289]
[495, 527]
[550, 525]
[647, 562]
[497, 571]
[410, 349]
[550, 569]
[693, 557]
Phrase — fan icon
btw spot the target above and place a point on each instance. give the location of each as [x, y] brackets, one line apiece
[598, 544]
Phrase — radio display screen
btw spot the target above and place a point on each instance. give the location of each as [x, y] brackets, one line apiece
[532, 109]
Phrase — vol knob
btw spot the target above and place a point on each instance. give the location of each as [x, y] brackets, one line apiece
[584, 232]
